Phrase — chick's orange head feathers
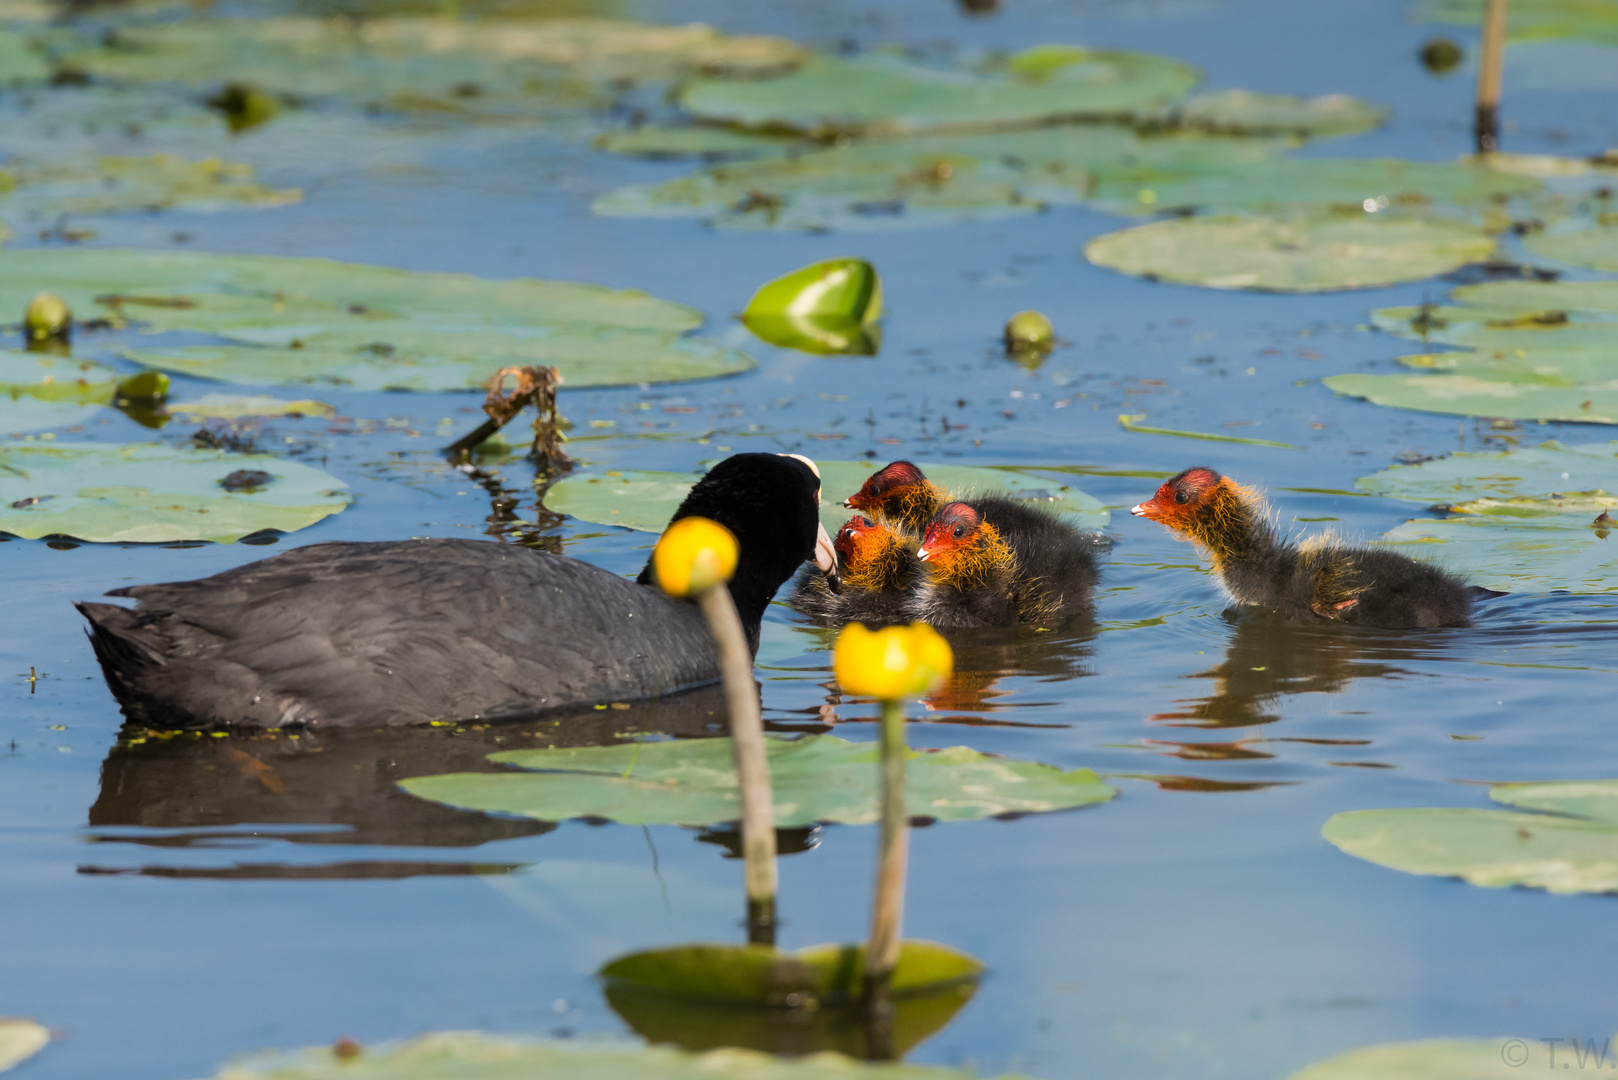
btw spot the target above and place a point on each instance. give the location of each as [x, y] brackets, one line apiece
[1177, 500]
[956, 526]
[883, 483]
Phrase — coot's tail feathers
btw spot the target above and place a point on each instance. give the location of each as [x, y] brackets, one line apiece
[1478, 592]
[123, 652]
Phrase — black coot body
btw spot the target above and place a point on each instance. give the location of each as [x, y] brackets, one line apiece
[440, 630]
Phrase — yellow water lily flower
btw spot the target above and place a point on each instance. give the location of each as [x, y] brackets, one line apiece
[692, 555]
[891, 663]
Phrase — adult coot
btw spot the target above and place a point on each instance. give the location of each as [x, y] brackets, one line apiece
[440, 630]
[1318, 579]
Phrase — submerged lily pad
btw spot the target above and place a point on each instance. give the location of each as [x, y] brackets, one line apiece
[111, 185]
[1426, 1059]
[826, 307]
[21, 61]
[20, 1040]
[151, 493]
[818, 778]
[1246, 112]
[706, 141]
[473, 1055]
[885, 93]
[295, 321]
[646, 501]
[1570, 846]
[502, 69]
[1304, 253]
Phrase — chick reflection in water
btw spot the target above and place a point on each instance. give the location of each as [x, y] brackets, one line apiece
[189, 790]
[1270, 657]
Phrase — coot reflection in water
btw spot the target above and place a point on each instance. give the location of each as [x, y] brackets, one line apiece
[339, 787]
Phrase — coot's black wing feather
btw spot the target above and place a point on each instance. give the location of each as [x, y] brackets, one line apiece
[443, 630]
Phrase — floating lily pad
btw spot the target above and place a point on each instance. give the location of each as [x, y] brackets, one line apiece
[932, 179]
[1527, 20]
[21, 61]
[1542, 553]
[818, 778]
[472, 1055]
[1571, 846]
[1427, 1059]
[1532, 472]
[1307, 253]
[1511, 396]
[646, 501]
[111, 185]
[1246, 112]
[827, 307]
[40, 391]
[1363, 184]
[704, 996]
[151, 493]
[20, 1040]
[884, 93]
[497, 69]
[1594, 247]
[224, 407]
[293, 321]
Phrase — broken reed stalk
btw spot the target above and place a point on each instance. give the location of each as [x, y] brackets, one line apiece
[536, 385]
[887, 910]
[752, 766]
[1489, 64]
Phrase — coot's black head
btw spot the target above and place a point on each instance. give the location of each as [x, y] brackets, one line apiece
[771, 503]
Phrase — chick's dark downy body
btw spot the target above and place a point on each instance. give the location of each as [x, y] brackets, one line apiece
[1319, 579]
[1005, 564]
[419, 631]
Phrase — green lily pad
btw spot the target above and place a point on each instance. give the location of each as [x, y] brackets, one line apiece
[1527, 20]
[695, 140]
[826, 307]
[1535, 554]
[151, 493]
[1427, 1059]
[295, 321]
[1305, 253]
[1532, 473]
[818, 778]
[40, 391]
[1508, 396]
[472, 1055]
[884, 93]
[1571, 847]
[644, 500]
[1350, 184]
[1245, 112]
[932, 179]
[496, 69]
[817, 975]
[225, 407]
[20, 1040]
[1594, 247]
[112, 185]
[21, 61]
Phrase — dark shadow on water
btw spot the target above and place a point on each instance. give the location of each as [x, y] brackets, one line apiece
[340, 786]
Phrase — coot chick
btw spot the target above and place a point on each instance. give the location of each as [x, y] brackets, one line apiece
[1317, 579]
[423, 631]
[901, 497]
[980, 575]
[878, 569]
